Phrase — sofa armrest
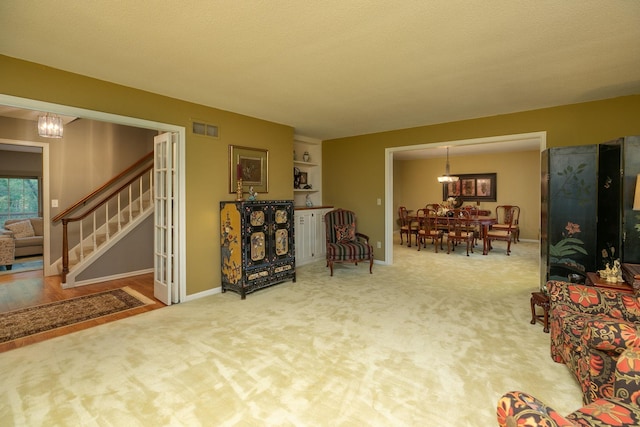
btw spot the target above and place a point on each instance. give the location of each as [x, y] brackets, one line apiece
[610, 335]
[5, 232]
[594, 301]
[517, 408]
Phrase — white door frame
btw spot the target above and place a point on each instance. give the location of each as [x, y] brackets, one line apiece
[388, 174]
[31, 104]
[45, 197]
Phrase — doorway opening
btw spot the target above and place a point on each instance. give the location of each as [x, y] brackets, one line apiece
[539, 140]
[179, 222]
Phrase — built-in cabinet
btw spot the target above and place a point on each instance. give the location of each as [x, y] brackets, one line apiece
[310, 234]
[587, 207]
[307, 170]
[256, 244]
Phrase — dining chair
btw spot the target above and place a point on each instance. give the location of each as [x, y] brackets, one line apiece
[460, 230]
[429, 228]
[408, 227]
[504, 233]
[506, 214]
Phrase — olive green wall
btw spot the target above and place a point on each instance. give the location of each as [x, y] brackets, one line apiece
[353, 167]
[517, 183]
[207, 169]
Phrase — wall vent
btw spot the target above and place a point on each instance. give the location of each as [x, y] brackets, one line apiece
[205, 129]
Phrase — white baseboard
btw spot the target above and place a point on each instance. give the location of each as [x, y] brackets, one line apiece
[203, 294]
[113, 277]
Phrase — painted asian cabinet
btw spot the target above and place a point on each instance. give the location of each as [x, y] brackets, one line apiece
[256, 244]
[587, 217]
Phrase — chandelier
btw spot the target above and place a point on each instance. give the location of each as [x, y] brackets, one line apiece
[50, 126]
[446, 177]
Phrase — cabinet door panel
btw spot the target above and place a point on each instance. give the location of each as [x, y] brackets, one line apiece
[255, 234]
[281, 231]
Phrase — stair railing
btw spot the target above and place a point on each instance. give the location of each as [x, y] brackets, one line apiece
[138, 190]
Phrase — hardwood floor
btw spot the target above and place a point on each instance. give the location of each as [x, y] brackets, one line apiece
[30, 288]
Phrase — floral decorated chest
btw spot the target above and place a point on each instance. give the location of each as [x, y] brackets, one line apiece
[256, 244]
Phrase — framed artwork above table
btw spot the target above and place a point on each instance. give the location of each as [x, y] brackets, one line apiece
[472, 187]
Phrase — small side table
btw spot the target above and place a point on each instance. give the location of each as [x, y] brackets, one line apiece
[541, 300]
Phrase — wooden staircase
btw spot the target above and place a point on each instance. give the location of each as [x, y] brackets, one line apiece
[100, 221]
[82, 255]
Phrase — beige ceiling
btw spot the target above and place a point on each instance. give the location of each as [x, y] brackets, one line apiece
[342, 67]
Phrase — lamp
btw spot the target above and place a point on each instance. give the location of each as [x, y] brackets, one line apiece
[636, 198]
[50, 126]
[446, 177]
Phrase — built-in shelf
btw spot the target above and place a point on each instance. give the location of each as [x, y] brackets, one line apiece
[312, 170]
[299, 163]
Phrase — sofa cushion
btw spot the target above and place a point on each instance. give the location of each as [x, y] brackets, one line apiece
[25, 242]
[21, 229]
[345, 232]
[38, 226]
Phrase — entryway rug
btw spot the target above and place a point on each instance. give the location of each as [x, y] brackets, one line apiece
[41, 318]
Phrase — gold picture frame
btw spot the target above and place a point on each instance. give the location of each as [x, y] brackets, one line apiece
[252, 164]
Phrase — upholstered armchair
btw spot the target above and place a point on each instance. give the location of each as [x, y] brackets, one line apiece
[589, 328]
[517, 408]
[344, 243]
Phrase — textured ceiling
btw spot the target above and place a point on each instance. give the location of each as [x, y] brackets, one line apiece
[342, 67]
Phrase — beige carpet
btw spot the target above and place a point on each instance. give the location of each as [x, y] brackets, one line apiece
[433, 340]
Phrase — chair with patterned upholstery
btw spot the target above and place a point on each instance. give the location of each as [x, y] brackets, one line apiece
[7, 251]
[344, 243]
[517, 408]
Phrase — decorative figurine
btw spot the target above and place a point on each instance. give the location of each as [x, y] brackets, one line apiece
[308, 201]
[253, 196]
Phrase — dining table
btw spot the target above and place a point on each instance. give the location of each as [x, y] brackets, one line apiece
[482, 221]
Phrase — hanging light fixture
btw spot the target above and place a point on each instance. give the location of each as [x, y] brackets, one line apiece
[446, 177]
[50, 126]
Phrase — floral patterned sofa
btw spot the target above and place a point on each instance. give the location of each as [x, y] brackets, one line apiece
[590, 327]
[622, 409]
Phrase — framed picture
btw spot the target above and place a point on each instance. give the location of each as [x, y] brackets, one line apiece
[303, 179]
[252, 164]
[472, 187]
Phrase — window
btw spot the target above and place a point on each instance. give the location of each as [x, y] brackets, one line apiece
[19, 198]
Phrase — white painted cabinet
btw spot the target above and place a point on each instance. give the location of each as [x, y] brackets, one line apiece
[310, 235]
